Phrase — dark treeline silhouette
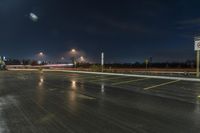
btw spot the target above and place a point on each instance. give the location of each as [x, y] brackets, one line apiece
[22, 62]
[186, 64]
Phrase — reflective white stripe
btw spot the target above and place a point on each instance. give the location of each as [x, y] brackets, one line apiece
[15, 69]
[159, 85]
[129, 81]
[129, 75]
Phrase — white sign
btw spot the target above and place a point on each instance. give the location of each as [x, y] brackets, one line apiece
[197, 45]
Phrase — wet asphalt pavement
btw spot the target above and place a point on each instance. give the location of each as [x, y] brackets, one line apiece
[53, 102]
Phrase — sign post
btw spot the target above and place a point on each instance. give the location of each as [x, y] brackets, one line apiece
[197, 49]
[197, 63]
[102, 61]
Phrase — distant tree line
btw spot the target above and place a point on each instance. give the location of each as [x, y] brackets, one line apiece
[22, 62]
[186, 64]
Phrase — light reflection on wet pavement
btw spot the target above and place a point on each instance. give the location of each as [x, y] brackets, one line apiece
[32, 102]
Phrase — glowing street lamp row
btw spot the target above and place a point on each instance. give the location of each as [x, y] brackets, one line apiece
[82, 59]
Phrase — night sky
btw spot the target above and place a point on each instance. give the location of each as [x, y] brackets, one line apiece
[126, 30]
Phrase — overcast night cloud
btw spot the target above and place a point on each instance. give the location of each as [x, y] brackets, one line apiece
[126, 30]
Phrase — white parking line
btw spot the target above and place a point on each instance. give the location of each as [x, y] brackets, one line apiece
[104, 79]
[163, 84]
[129, 81]
[86, 77]
[130, 75]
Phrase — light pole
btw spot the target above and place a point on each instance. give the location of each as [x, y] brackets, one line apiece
[40, 55]
[73, 52]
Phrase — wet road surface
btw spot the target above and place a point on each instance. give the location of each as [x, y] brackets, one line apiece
[53, 102]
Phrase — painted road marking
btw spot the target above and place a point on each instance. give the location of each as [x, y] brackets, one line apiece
[104, 79]
[163, 84]
[75, 76]
[82, 77]
[129, 81]
[85, 97]
[87, 77]
[127, 75]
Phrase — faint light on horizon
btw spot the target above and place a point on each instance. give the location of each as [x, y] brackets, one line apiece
[41, 54]
[82, 59]
[62, 58]
[39, 62]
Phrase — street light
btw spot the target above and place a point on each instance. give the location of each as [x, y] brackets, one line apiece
[73, 53]
[41, 54]
[40, 57]
[73, 50]
[82, 59]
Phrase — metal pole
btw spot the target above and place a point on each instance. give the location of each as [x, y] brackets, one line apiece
[102, 61]
[198, 52]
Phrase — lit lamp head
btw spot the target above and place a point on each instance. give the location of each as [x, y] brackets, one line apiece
[41, 54]
[82, 59]
[73, 50]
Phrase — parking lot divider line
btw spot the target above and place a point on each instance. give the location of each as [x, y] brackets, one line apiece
[125, 75]
[104, 79]
[87, 77]
[163, 84]
[83, 77]
[129, 81]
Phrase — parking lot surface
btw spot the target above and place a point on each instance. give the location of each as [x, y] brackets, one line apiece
[58, 102]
